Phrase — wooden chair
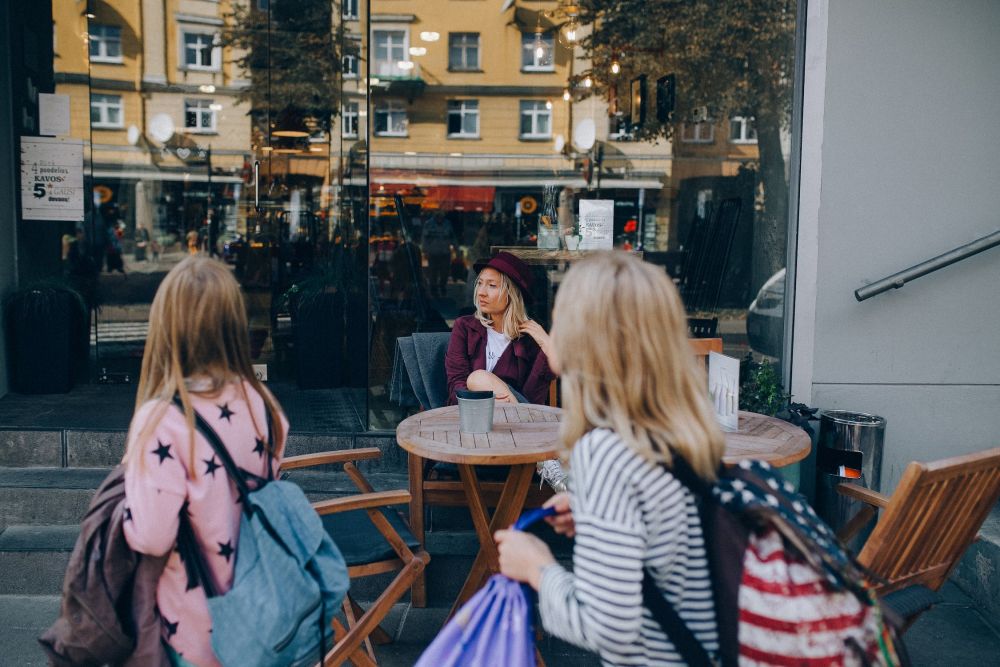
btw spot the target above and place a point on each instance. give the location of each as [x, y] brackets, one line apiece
[702, 346]
[926, 526]
[373, 540]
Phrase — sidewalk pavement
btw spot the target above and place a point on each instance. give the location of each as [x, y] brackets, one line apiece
[953, 633]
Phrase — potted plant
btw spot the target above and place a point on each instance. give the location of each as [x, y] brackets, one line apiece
[760, 388]
[47, 337]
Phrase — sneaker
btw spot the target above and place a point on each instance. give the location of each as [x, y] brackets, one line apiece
[552, 473]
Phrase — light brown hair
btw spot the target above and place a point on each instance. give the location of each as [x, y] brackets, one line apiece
[198, 330]
[620, 337]
[514, 315]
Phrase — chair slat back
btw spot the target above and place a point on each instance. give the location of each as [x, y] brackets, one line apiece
[931, 520]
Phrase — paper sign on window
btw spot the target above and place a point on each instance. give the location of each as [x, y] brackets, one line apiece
[597, 222]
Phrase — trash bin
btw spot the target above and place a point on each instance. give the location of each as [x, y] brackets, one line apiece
[850, 450]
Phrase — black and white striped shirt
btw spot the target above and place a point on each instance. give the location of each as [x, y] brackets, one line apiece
[629, 514]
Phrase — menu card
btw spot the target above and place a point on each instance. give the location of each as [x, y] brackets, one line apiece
[724, 389]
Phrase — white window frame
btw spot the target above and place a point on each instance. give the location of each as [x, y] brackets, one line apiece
[389, 67]
[215, 55]
[200, 107]
[747, 130]
[528, 46]
[353, 70]
[462, 109]
[350, 115]
[349, 10]
[618, 128]
[102, 36]
[698, 133]
[536, 109]
[391, 108]
[103, 106]
[465, 46]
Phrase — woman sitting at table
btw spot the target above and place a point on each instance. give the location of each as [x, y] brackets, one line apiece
[630, 412]
[499, 348]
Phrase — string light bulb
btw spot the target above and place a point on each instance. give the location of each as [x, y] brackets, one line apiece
[548, 104]
[615, 67]
[566, 95]
[588, 82]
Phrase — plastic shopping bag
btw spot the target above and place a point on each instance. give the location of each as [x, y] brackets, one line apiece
[494, 628]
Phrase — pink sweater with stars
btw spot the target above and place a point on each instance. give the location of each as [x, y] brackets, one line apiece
[158, 485]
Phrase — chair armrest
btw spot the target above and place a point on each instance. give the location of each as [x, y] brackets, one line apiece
[362, 501]
[873, 498]
[324, 458]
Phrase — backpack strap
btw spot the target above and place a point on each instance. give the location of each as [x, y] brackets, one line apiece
[680, 635]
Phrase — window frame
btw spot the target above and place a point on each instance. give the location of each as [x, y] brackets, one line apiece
[528, 46]
[393, 67]
[459, 108]
[355, 71]
[346, 6]
[102, 41]
[104, 105]
[215, 54]
[200, 107]
[465, 47]
[393, 106]
[536, 110]
[748, 130]
[697, 136]
[345, 115]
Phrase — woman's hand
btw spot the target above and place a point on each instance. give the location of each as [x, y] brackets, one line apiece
[562, 521]
[523, 556]
[535, 330]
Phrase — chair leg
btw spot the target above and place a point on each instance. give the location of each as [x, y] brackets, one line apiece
[352, 615]
[378, 635]
[358, 658]
[418, 592]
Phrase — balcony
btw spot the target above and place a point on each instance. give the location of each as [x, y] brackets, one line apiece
[399, 78]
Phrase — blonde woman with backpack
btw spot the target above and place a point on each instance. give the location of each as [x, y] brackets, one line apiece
[197, 350]
[633, 398]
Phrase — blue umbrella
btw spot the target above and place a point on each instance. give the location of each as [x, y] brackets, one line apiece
[494, 628]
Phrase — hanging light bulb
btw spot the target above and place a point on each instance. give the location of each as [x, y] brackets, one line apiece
[548, 104]
[569, 34]
[588, 82]
[615, 67]
[539, 50]
[566, 95]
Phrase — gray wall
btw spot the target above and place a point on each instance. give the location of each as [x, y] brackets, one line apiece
[909, 169]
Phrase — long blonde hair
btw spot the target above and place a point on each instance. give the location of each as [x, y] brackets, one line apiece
[620, 336]
[514, 315]
[197, 329]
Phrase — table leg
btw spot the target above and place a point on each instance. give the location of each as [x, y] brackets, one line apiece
[510, 505]
[418, 592]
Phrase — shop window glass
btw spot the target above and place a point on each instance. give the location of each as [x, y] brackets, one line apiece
[106, 111]
[105, 43]
[463, 51]
[463, 118]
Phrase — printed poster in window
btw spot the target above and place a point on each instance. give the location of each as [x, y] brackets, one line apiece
[51, 179]
[596, 221]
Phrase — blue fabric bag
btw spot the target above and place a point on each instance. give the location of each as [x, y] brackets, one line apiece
[494, 628]
[289, 578]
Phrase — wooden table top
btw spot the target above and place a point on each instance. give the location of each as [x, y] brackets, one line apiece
[521, 434]
[530, 433]
[766, 439]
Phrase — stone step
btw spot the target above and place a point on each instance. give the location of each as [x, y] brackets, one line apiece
[93, 448]
[978, 573]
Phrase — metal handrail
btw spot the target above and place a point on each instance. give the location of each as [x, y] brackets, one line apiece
[897, 280]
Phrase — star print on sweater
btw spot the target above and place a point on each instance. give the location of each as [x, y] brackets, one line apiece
[225, 412]
[163, 451]
[259, 448]
[211, 466]
[226, 550]
[171, 628]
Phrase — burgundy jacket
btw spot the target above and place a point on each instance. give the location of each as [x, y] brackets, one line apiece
[522, 365]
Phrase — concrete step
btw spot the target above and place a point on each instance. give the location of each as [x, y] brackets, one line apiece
[978, 573]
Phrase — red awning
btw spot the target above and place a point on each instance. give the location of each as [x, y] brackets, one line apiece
[460, 198]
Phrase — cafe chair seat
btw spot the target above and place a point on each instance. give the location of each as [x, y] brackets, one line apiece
[366, 544]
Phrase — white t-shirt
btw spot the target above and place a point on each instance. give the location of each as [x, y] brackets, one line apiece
[496, 343]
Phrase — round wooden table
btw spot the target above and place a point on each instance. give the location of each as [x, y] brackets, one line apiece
[522, 435]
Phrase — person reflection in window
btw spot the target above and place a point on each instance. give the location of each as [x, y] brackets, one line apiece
[499, 348]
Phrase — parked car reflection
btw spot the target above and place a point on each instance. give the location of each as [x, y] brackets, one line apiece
[765, 317]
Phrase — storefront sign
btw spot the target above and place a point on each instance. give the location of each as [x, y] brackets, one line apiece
[597, 222]
[51, 179]
[53, 114]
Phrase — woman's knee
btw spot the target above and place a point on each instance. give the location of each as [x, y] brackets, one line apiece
[481, 380]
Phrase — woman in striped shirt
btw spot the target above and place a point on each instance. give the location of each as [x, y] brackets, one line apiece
[633, 397]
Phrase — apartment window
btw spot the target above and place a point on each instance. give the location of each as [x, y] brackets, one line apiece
[463, 51]
[390, 119]
[618, 128]
[463, 118]
[200, 51]
[105, 44]
[106, 111]
[742, 130]
[536, 119]
[349, 120]
[199, 115]
[349, 10]
[536, 52]
[390, 49]
[350, 66]
[698, 133]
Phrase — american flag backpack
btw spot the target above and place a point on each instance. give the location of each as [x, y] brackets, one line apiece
[786, 592]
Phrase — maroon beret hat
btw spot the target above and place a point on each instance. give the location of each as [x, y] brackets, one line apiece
[511, 266]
